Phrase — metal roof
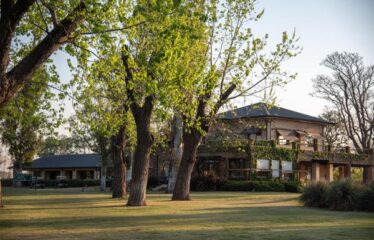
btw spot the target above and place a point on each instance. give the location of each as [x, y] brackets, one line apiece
[68, 161]
[262, 110]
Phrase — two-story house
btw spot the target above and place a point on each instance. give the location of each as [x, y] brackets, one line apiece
[238, 147]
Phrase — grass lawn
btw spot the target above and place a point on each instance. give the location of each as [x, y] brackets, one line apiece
[71, 214]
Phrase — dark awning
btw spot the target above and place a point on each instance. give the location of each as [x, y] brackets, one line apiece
[256, 131]
[287, 134]
[301, 133]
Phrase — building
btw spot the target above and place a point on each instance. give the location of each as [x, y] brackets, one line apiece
[77, 166]
[262, 141]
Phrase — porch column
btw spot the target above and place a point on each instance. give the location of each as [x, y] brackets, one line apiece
[268, 130]
[96, 175]
[368, 174]
[62, 173]
[315, 171]
[302, 173]
[330, 172]
[341, 172]
[347, 171]
[74, 174]
[42, 174]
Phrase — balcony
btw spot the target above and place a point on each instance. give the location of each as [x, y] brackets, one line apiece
[270, 150]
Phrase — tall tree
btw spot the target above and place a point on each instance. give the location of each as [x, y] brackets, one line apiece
[156, 55]
[335, 133]
[350, 89]
[26, 118]
[235, 65]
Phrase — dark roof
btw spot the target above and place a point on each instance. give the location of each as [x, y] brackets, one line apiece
[67, 161]
[262, 110]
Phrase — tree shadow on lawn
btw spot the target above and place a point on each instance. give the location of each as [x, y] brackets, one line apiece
[212, 223]
[278, 214]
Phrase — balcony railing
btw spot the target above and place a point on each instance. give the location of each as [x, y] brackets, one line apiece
[270, 150]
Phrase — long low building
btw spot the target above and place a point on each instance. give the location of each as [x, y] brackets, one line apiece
[77, 166]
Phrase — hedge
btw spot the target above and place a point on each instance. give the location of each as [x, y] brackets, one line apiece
[262, 186]
[7, 182]
[211, 182]
[341, 195]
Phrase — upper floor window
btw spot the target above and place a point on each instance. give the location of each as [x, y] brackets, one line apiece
[309, 141]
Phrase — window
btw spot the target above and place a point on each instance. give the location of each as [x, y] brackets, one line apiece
[281, 140]
[309, 141]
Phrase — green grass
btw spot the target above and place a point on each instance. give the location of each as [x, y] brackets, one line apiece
[71, 214]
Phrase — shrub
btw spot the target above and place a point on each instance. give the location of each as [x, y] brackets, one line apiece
[342, 195]
[236, 186]
[293, 186]
[366, 198]
[259, 186]
[153, 182]
[73, 183]
[208, 182]
[7, 182]
[314, 195]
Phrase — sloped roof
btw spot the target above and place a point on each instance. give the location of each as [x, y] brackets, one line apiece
[68, 161]
[262, 110]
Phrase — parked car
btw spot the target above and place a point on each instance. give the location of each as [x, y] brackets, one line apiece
[62, 184]
[38, 183]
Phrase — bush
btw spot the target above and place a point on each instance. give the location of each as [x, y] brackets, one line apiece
[209, 182]
[366, 198]
[342, 195]
[314, 195]
[261, 186]
[73, 183]
[153, 182]
[7, 182]
[293, 186]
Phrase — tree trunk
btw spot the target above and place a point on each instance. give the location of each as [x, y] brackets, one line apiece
[191, 141]
[1, 196]
[176, 151]
[119, 164]
[17, 169]
[142, 157]
[103, 179]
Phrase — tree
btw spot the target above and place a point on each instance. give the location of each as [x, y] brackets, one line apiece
[235, 65]
[156, 55]
[1, 191]
[53, 145]
[30, 31]
[102, 110]
[350, 89]
[335, 133]
[176, 150]
[26, 118]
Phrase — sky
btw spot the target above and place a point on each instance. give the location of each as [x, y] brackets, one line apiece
[323, 26]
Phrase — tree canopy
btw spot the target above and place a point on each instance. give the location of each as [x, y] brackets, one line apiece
[350, 90]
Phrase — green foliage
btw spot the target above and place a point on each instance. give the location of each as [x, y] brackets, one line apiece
[342, 195]
[62, 145]
[261, 186]
[260, 152]
[366, 198]
[208, 182]
[292, 186]
[7, 182]
[235, 63]
[314, 195]
[28, 117]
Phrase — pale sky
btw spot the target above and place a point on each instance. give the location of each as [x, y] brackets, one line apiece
[324, 26]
